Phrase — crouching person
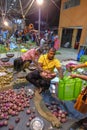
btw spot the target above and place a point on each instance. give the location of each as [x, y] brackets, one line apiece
[24, 61]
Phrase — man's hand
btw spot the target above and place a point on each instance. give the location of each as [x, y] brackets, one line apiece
[73, 67]
[74, 75]
[48, 75]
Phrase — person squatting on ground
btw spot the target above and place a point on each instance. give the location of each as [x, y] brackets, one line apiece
[46, 64]
[24, 61]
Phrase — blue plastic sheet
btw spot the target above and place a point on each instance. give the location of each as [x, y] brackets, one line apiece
[67, 106]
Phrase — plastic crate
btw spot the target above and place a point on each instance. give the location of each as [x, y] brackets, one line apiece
[69, 89]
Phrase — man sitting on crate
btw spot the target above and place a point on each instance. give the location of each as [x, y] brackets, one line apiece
[83, 121]
[42, 76]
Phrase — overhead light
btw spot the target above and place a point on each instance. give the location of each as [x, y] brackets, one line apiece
[14, 0]
[40, 2]
[5, 23]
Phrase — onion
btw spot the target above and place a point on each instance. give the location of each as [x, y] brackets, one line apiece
[53, 103]
[1, 123]
[7, 117]
[30, 97]
[63, 115]
[28, 124]
[55, 113]
[17, 119]
[13, 113]
[19, 109]
[60, 111]
[30, 118]
[11, 127]
[27, 105]
[47, 104]
[2, 116]
[63, 120]
[28, 111]
[5, 123]
[59, 114]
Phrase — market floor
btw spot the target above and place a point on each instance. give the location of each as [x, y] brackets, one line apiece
[67, 53]
[64, 55]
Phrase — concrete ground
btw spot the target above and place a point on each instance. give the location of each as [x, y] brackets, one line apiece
[66, 53]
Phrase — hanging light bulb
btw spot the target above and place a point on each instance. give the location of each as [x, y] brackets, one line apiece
[5, 23]
[40, 2]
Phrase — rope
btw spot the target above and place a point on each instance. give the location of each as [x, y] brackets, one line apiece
[43, 110]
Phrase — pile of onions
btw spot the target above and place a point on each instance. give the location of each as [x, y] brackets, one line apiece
[5, 63]
[11, 103]
[60, 114]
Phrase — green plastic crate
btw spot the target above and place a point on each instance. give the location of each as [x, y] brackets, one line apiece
[69, 89]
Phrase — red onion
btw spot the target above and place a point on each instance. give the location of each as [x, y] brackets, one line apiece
[28, 111]
[5, 122]
[1, 123]
[11, 127]
[63, 115]
[28, 124]
[17, 119]
[63, 120]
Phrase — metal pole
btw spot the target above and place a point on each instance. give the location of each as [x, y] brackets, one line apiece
[39, 21]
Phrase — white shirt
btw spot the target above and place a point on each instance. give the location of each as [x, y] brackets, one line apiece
[42, 41]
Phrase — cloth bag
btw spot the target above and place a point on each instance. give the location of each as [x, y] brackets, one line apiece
[81, 103]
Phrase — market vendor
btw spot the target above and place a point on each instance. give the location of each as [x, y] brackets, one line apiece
[74, 67]
[82, 121]
[22, 62]
[46, 64]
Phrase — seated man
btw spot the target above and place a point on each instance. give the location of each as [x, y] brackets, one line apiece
[46, 64]
[28, 57]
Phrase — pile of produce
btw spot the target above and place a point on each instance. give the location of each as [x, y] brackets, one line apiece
[5, 64]
[5, 78]
[11, 104]
[56, 110]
